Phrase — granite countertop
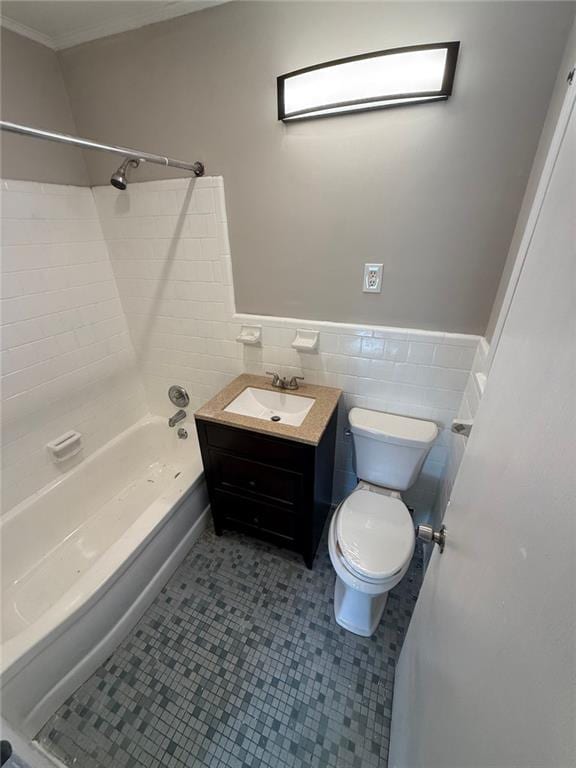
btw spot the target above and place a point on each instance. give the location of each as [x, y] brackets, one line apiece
[311, 429]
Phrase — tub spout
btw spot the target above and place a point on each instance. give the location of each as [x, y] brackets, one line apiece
[178, 416]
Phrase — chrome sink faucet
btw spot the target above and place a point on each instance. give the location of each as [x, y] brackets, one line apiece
[281, 382]
[178, 416]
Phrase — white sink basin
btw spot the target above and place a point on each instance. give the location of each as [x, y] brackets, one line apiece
[271, 406]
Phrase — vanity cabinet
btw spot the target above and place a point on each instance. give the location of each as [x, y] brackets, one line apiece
[269, 486]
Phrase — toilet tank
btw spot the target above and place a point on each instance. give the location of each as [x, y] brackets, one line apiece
[390, 449]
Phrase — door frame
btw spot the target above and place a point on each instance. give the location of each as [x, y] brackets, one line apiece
[534, 215]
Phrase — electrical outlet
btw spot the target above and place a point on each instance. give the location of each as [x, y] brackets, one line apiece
[372, 278]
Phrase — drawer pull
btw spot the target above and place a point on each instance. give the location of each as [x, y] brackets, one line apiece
[252, 483]
[256, 520]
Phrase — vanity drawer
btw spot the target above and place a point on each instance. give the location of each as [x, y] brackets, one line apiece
[263, 448]
[234, 473]
[254, 516]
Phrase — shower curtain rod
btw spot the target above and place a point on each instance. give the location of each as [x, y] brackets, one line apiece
[197, 168]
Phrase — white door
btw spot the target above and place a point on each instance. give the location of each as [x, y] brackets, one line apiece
[486, 678]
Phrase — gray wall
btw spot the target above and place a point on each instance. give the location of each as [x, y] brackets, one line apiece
[431, 191]
[33, 93]
[556, 102]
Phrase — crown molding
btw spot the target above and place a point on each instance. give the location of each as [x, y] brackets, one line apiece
[135, 21]
[86, 34]
[31, 34]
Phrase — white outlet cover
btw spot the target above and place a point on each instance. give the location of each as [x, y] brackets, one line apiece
[372, 282]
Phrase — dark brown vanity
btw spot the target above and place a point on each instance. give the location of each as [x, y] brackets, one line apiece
[266, 478]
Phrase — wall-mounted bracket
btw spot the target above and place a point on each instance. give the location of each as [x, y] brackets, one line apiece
[250, 334]
[65, 446]
[462, 427]
[306, 341]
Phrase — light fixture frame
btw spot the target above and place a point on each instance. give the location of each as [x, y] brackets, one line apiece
[420, 97]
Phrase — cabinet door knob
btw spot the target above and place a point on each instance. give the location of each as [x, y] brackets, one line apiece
[256, 520]
[252, 483]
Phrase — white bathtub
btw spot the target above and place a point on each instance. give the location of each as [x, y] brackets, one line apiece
[83, 559]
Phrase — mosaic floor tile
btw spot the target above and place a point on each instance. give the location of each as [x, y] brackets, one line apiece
[239, 663]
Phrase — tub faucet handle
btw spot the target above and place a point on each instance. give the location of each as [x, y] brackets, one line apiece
[178, 396]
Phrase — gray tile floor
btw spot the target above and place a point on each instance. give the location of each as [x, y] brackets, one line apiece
[239, 663]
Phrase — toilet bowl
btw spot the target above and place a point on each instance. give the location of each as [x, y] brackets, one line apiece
[370, 542]
[371, 537]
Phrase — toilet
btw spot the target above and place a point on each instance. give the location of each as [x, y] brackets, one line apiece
[371, 537]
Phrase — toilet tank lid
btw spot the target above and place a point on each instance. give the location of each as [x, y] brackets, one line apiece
[389, 427]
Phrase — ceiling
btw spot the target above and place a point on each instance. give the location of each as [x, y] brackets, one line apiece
[64, 23]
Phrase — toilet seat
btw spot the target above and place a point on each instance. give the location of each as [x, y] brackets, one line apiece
[375, 535]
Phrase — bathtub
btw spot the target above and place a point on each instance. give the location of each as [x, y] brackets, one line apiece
[83, 559]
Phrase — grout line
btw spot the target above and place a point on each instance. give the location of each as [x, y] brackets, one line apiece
[78, 308]
[76, 265]
[99, 360]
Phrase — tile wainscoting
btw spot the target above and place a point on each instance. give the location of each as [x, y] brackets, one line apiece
[168, 260]
[171, 256]
[456, 443]
[405, 371]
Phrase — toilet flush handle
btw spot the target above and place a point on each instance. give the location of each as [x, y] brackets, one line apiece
[426, 533]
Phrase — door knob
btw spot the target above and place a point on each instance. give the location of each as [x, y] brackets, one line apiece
[426, 533]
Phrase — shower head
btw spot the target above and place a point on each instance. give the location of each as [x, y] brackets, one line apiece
[119, 178]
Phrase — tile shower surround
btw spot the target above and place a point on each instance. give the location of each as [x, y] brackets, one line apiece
[66, 356]
[169, 251]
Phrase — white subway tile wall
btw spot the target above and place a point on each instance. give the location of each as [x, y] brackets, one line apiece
[414, 373]
[66, 357]
[169, 248]
[170, 254]
[456, 444]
